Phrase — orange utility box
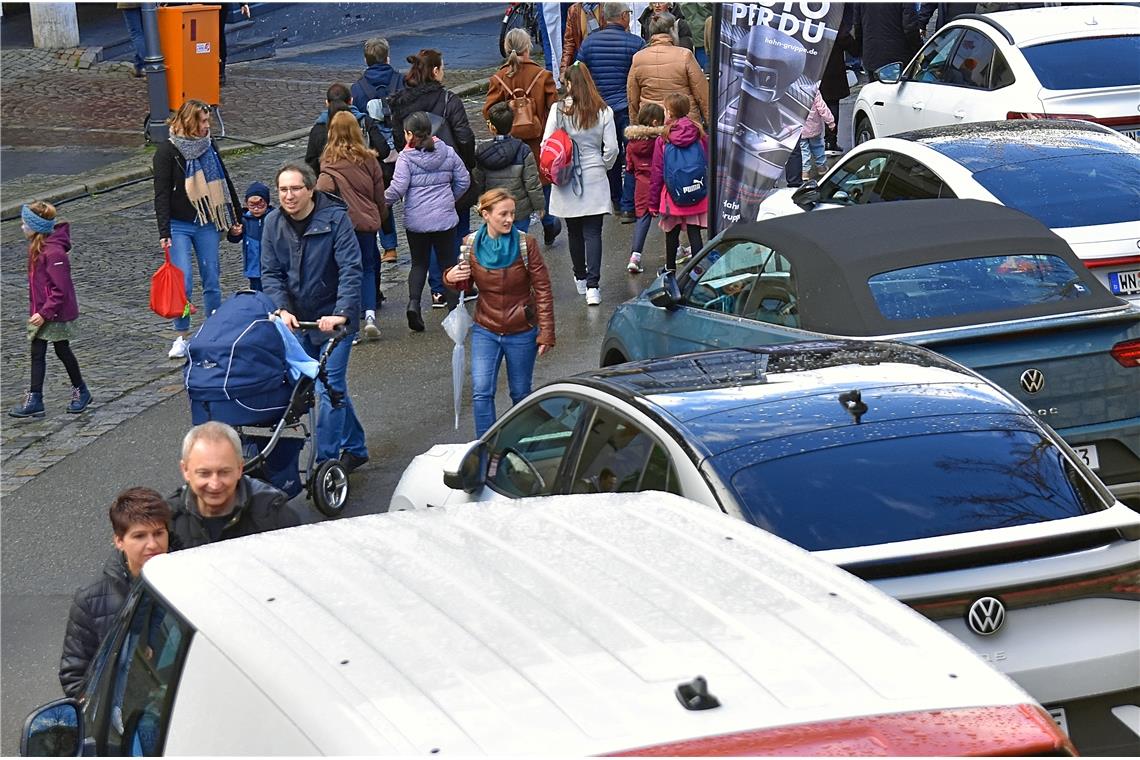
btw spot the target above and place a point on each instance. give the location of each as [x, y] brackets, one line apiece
[189, 37]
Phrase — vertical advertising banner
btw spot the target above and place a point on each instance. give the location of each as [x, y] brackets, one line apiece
[769, 57]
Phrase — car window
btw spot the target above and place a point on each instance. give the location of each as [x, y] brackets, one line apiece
[1002, 75]
[1086, 63]
[855, 180]
[144, 678]
[525, 455]
[889, 489]
[910, 179]
[933, 60]
[1070, 191]
[747, 280]
[970, 286]
[972, 61]
[617, 456]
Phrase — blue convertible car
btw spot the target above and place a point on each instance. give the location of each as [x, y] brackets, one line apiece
[983, 284]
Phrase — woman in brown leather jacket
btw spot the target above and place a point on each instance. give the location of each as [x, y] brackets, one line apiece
[514, 318]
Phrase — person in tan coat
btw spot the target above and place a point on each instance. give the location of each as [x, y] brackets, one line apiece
[579, 24]
[663, 68]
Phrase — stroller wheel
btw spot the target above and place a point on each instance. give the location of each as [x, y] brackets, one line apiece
[329, 488]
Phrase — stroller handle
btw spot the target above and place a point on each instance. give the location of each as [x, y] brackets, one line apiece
[339, 333]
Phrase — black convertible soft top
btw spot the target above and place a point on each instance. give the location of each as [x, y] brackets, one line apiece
[834, 252]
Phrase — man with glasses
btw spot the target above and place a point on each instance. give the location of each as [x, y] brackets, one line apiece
[310, 268]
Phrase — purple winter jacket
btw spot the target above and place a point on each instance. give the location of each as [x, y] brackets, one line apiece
[51, 292]
[429, 182]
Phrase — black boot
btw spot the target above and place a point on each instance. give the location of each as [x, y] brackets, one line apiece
[415, 319]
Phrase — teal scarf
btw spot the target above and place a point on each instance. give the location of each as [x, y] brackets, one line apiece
[496, 253]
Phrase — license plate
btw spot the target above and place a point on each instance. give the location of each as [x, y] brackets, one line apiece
[1058, 716]
[1125, 283]
[1088, 455]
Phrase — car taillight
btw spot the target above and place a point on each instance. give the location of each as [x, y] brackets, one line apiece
[1006, 730]
[1112, 261]
[1127, 353]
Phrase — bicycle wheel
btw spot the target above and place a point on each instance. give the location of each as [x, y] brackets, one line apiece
[516, 17]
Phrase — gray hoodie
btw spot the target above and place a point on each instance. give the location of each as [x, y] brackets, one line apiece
[429, 182]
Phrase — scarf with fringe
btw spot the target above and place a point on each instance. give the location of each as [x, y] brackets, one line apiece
[205, 181]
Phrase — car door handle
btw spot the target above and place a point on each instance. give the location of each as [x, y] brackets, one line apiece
[918, 105]
[959, 114]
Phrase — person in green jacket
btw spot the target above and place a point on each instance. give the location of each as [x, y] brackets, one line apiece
[695, 14]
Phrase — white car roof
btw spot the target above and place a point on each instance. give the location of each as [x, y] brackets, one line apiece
[1030, 26]
[559, 625]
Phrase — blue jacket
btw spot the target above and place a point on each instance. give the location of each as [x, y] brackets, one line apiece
[609, 54]
[250, 239]
[382, 80]
[318, 274]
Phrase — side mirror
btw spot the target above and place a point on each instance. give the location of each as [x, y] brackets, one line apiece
[472, 472]
[54, 730]
[889, 74]
[665, 292]
[806, 195]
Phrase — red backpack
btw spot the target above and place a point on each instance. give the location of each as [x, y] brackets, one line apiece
[558, 161]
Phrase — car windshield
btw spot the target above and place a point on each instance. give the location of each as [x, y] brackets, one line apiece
[898, 489]
[1070, 191]
[971, 286]
[1086, 63]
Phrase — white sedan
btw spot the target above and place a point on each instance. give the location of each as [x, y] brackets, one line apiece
[1073, 62]
[1082, 180]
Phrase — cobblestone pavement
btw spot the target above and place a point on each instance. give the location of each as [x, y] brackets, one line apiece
[122, 345]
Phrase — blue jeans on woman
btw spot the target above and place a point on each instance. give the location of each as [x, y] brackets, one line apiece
[204, 239]
[641, 232]
[388, 233]
[337, 429]
[488, 350]
[369, 256]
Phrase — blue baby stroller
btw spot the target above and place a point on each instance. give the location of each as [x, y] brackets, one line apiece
[245, 369]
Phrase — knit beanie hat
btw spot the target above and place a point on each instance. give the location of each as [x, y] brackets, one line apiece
[258, 190]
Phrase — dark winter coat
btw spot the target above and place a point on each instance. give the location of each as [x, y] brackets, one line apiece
[170, 201]
[684, 32]
[319, 137]
[608, 53]
[250, 239]
[93, 611]
[886, 32]
[431, 97]
[260, 507]
[382, 81]
[50, 290]
[507, 162]
[318, 274]
[639, 162]
[833, 84]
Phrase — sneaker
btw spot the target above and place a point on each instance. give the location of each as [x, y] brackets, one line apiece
[352, 461]
[593, 296]
[581, 286]
[805, 175]
[684, 253]
[371, 331]
[80, 398]
[356, 339]
[389, 256]
[627, 217]
[438, 300]
[634, 266]
[178, 348]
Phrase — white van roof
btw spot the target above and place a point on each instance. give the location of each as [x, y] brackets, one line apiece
[558, 626]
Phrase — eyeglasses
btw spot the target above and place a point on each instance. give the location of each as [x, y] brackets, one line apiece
[293, 189]
[256, 203]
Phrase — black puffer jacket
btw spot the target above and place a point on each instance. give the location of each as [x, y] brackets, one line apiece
[260, 507]
[431, 97]
[886, 32]
[93, 610]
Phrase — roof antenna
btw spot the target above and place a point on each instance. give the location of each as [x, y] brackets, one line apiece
[694, 695]
[852, 401]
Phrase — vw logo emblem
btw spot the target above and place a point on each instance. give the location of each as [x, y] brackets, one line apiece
[986, 616]
[1032, 381]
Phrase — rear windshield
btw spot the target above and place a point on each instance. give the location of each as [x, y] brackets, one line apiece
[1070, 191]
[1087, 62]
[972, 286]
[898, 489]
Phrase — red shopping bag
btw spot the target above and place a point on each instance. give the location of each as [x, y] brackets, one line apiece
[168, 291]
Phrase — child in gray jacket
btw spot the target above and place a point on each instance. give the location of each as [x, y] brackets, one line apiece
[508, 162]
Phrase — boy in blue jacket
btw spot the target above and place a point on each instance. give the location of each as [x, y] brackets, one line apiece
[249, 232]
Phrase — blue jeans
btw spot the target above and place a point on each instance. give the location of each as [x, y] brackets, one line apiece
[702, 59]
[337, 429]
[811, 151]
[641, 232]
[621, 183]
[487, 352]
[388, 233]
[369, 256]
[133, 19]
[523, 225]
[547, 219]
[204, 239]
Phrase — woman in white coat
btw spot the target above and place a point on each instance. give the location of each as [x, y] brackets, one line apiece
[590, 123]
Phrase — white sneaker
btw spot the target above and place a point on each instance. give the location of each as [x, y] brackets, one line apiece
[684, 253]
[371, 331]
[634, 266]
[178, 348]
[581, 285]
[593, 296]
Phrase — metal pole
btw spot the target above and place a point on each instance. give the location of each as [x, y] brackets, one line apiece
[155, 67]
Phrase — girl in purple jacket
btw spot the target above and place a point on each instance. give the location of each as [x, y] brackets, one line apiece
[52, 306]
